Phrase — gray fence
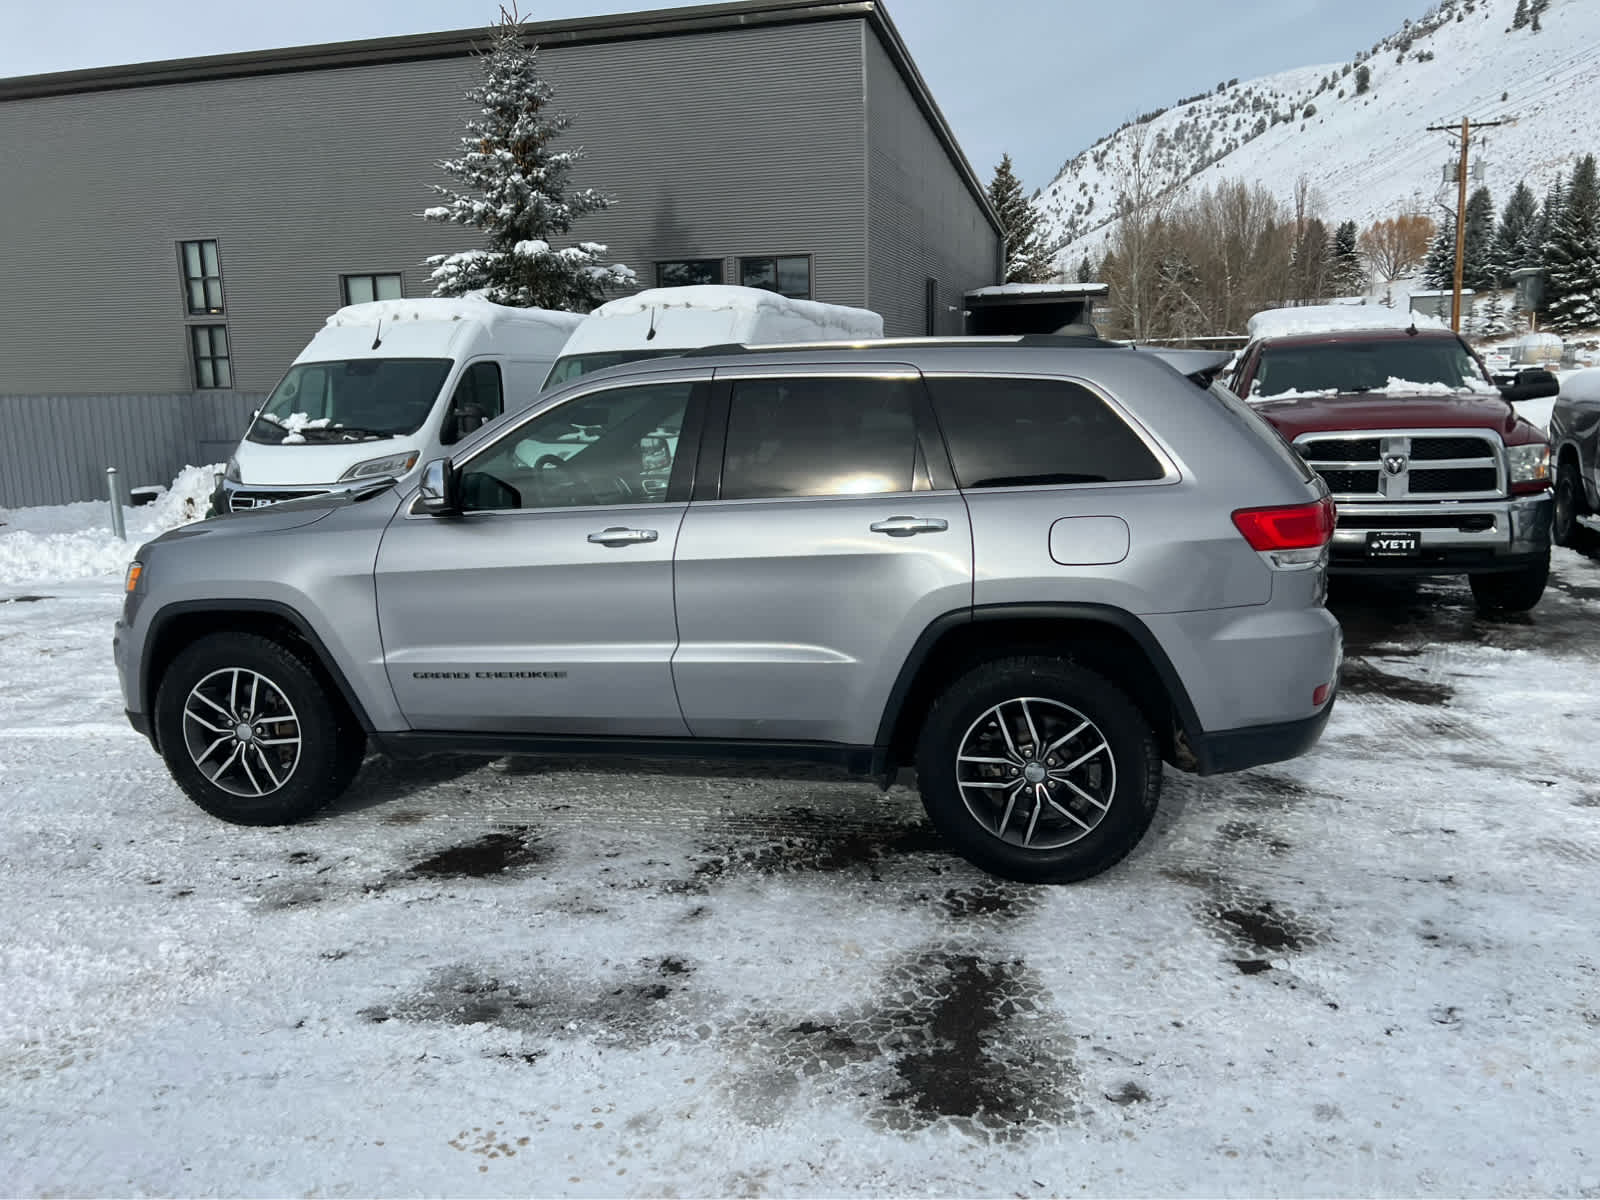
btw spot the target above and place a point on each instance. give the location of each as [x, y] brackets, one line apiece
[55, 449]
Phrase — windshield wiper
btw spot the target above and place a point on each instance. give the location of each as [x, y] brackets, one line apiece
[346, 433]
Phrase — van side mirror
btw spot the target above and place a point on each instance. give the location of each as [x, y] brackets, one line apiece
[1531, 383]
[441, 487]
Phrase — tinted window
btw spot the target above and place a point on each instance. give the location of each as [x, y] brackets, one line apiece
[615, 447]
[819, 437]
[689, 272]
[1353, 366]
[1016, 432]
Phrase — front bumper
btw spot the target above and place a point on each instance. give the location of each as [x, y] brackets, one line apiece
[1461, 537]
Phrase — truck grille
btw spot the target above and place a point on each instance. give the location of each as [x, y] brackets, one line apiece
[1396, 466]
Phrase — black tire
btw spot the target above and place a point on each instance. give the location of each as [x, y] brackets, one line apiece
[1129, 763]
[290, 697]
[1568, 507]
[1511, 591]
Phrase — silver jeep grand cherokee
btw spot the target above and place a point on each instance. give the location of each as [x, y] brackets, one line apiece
[1032, 568]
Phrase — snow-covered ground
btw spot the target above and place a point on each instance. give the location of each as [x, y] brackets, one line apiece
[1374, 970]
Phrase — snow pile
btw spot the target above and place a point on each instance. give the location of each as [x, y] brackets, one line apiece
[1335, 318]
[1582, 385]
[755, 303]
[460, 308]
[74, 541]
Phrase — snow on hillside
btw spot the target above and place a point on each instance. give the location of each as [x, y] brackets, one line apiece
[1366, 155]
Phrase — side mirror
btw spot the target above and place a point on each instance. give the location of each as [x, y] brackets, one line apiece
[1531, 383]
[440, 492]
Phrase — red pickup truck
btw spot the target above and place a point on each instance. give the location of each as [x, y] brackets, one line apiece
[1433, 471]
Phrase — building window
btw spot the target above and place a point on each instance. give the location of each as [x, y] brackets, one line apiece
[202, 276]
[360, 289]
[208, 344]
[788, 275]
[689, 271]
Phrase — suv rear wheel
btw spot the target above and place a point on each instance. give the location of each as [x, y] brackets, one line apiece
[1038, 770]
[249, 732]
[1511, 591]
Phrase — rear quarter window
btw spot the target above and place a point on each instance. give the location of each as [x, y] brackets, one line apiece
[1017, 432]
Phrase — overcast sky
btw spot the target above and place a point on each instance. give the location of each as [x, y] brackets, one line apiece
[1041, 79]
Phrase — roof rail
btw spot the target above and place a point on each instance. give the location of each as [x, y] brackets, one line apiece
[1046, 341]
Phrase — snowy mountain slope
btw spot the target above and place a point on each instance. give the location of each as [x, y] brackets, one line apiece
[1366, 155]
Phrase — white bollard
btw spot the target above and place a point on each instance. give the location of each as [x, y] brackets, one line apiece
[114, 486]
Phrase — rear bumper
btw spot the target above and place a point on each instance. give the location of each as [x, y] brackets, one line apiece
[1255, 745]
[1470, 537]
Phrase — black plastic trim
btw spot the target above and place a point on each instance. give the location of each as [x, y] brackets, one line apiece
[171, 612]
[855, 759]
[1255, 745]
[141, 724]
[1462, 560]
[1105, 614]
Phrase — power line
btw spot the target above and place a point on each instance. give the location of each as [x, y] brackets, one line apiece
[1465, 134]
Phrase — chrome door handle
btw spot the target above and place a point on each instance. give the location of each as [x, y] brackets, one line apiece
[617, 535]
[906, 526]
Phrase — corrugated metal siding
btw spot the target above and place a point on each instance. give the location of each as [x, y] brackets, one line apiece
[56, 448]
[923, 222]
[725, 143]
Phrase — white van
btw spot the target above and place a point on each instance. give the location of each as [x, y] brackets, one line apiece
[662, 321]
[384, 387]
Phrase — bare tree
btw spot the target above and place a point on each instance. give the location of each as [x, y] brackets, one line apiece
[1142, 204]
[1395, 245]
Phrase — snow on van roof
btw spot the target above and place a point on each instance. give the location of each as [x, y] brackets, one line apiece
[1336, 318]
[722, 297]
[458, 308]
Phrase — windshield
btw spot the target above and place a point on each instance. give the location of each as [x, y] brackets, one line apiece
[1389, 364]
[572, 366]
[361, 400]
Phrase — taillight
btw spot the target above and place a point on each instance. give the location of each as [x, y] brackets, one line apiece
[1287, 527]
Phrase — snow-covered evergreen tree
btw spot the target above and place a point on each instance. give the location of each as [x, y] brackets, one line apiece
[1572, 255]
[1476, 269]
[1347, 274]
[1086, 270]
[1520, 17]
[1493, 318]
[1027, 260]
[1515, 238]
[1439, 268]
[515, 189]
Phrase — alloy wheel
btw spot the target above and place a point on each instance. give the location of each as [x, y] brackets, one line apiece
[241, 732]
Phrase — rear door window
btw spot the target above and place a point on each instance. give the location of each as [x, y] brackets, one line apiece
[824, 436]
[1021, 432]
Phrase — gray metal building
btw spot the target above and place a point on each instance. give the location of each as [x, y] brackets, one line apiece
[174, 232]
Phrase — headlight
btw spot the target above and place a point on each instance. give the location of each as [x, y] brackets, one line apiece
[231, 471]
[1529, 464]
[392, 464]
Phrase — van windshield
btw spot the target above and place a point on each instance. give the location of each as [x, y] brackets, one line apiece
[355, 401]
[573, 366]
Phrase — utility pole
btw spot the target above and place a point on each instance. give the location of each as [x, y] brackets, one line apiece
[1465, 134]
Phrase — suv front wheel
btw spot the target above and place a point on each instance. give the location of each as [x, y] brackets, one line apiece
[249, 731]
[1038, 770]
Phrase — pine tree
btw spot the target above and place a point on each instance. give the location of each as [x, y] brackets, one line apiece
[1439, 268]
[1520, 17]
[1572, 255]
[1477, 272]
[516, 191]
[1347, 275]
[1086, 270]
[1027, 260]
[1514, 238]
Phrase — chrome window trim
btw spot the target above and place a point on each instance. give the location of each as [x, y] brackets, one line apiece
[1165, 457]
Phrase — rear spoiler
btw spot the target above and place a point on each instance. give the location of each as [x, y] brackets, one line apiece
[1202, 366]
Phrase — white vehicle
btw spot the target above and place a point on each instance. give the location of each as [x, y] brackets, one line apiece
[383, 387]
[662, 321]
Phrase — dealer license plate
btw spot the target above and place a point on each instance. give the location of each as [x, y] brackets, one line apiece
[1393, 543]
